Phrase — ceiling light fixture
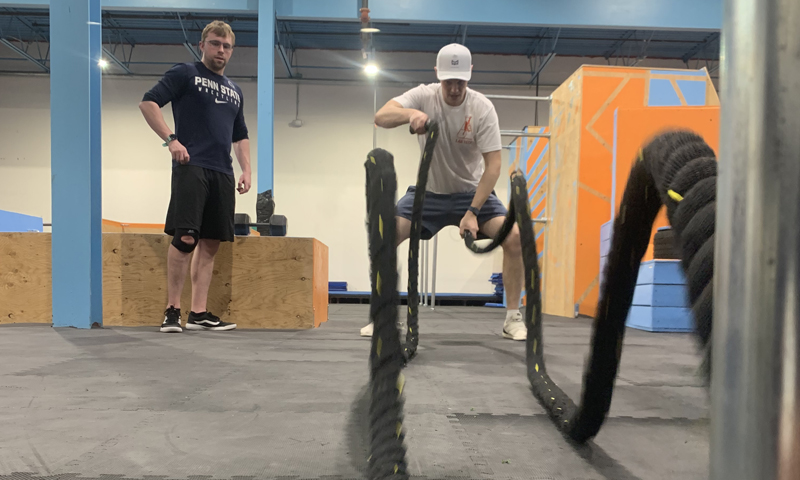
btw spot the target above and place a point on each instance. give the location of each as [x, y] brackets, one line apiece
[371, 69]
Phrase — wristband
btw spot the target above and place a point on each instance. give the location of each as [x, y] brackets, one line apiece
[169, 140]
[474, 210]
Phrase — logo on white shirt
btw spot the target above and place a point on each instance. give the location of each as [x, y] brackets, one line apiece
[465, 134]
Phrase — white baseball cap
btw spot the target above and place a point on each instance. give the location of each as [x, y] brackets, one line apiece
[454, 62]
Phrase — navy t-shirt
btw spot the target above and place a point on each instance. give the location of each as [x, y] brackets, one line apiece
[208, 111]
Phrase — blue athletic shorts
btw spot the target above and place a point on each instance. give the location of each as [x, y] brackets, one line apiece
[442, 210]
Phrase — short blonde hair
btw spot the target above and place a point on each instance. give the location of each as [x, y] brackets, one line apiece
[219, 28]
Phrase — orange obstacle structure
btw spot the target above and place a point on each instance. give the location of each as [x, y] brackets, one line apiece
[599, 118]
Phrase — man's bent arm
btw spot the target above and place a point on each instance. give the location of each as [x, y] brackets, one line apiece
[152, 114]
[393, 115]
[489, 179]
[242, 150]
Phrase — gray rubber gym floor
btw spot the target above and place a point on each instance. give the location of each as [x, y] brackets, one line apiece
[135, 403]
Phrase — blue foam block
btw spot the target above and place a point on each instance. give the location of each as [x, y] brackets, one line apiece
[17, 222]
[660, 296]
[605, 246]
[660, 319]
[605, 230]
[661, 272]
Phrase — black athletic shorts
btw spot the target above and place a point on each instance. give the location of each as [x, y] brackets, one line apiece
[203, 200]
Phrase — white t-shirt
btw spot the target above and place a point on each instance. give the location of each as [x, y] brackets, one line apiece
[466, 132]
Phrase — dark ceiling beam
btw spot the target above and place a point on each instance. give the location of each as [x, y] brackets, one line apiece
[708, 41]
[618, 44]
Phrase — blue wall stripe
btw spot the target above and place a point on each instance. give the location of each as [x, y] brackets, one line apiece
[536, 183]
[539, 160]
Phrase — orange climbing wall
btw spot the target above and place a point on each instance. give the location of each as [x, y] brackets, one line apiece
[580, 185]
[530, 156]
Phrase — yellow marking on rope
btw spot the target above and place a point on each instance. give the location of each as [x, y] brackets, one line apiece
[380, 346]
[410, 330]
[373, 159]
[537, 367]
[399, 429]
[674, 195]
[535, 344]
[552, 399]
[640, 156]
[395, 469]
[401, 382]
[431, 134]
[517, 189]
[378, 283]
[369, 458]
[409, 311]
[566, 421]
[533, 278]
[380, 226]
[559, 409]
[424, 155]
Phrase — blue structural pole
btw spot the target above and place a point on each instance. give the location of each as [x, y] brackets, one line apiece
[266, 102]
[75, 109]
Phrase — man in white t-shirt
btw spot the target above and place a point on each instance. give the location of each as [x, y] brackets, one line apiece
[464, 170]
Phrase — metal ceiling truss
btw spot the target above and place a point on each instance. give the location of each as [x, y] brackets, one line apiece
[543, 57]
[282, 42]
[631, 48]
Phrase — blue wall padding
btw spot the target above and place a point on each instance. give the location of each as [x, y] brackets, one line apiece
[17, 222]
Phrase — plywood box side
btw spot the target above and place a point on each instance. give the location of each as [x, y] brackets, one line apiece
[26, 293]
[320, 283]
[563, 167]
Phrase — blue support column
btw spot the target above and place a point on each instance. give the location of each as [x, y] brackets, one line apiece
[75, 111]
[266, 95]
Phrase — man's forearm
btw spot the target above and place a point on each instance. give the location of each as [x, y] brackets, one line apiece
[486, 185]
[152, 114]
[390, 117]
[242, 149]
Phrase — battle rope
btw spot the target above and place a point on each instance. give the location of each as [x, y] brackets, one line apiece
[387, 456]
[676, 169]
[412, 336]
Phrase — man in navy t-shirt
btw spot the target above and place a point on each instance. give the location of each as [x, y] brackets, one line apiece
[209, 117]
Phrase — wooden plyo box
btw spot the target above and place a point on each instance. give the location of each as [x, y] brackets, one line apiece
[258, 282]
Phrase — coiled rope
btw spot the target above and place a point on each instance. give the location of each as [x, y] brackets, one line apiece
[676, 169]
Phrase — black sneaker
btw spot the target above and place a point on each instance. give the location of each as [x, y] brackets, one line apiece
[172, 321]
[207, 321]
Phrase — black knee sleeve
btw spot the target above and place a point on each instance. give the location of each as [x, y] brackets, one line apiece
[177, 240]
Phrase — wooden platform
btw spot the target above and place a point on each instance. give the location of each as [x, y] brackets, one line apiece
[258, 282]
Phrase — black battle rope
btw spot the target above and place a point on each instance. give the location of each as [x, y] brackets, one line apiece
[676, 169]
[387, 452]
[412, 336]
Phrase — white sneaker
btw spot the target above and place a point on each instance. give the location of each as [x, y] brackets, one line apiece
[367, 331]
[514, 328]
